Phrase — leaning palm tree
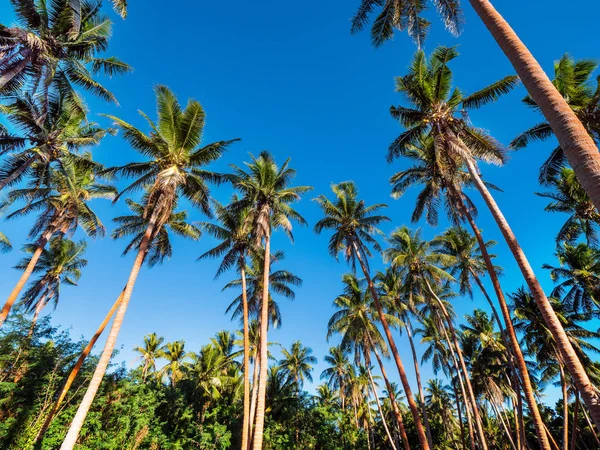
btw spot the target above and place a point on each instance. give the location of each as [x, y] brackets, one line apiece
[149, 353]
[60, 263]
[176, 168]
[58, 43]
[267, 194]
[62, 204]
[354, 225]
[572, 79]
[579, 148]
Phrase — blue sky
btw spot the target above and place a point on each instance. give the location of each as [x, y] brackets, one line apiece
[289, 77]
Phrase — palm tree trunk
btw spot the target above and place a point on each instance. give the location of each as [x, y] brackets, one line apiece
[15, 70]
[578, 146]
[264, 357]
[381, 414]
[38, 309]
[246, 420]
[591, 425]
[500, 417]
[459, 413]
[22, 168]
[253, 401]
[567, 353]
[393, 402]
[565, 399]
[525, 381]
[75, 371]
[575, 418]
[408, 327]
[41, 244]
[463, 366]
[403, 378]
[86, 402]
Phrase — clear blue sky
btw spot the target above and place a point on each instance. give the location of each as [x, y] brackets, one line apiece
[289, 77]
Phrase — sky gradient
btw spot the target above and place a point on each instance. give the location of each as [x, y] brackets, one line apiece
[290, 78]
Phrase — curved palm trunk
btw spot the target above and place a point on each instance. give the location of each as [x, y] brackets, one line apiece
[567, 353]
[403, 378]
[383, 420]
[459, 413]
[38, 309]
[17, 173]
[246, 420]
[393, 402]
[408, 327]
[463, 366]
[86, 402]
[12, 298]
[565, 399]
[575, 418]
[578, 146]
[75, 371]
[264, 361]
[525, 380]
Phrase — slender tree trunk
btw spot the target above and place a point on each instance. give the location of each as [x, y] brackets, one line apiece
[403, 378]
[567, 353]
[591, 425]
[253, 401]
[38, 309]
[500, 417]
[578, 146]
[383, 420]
[575, 418]
[395, 408]
[246, 420]
[86, 403]
[264, 357]
[75, 371]
[408, 327]
[457, 349]
[17, 173]
[459, 413]
[565, 399]
[41, 244]
[15, 70]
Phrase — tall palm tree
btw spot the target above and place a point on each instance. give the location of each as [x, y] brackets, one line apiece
[60, 263]
[336, 374]
[47, 129]
[580, 149]
[567, 196]
[266, 192]
[175, 354]
[149, 353]
[176, 168]
[572, 79]
[58, 44]
[62, 204]
[354, 225]
[442, 116]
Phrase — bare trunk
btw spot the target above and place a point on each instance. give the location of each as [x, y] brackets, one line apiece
[578, 146]
[575, 418]
[253, 401]
[381, 414]
[12, 298]
[17, 173]
[591, 425]
[246, 420]
[565, 399]
[567, 353]
[403, 378]
[264, 358]
[459, 413]
[38, 309]
[86, 403]
[75, 371]
[500, 417]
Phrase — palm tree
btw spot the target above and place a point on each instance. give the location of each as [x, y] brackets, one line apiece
[175, 354]
[579, 147]
[176, 168]
[354, 225]
[58, 43]
[149, 353]
[48, 130]
[336, 374]
[62, 204]
[443, 117]
[572, 79]
[567, 196]
[578, 276]
[60, 263]
[267, 194]
[5, 245]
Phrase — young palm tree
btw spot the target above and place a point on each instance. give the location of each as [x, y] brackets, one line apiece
[267, 194]
[176, 168]
[175, 354]
[579, 147]
[60, 263]
[149, 353]
[567, 196]
[63, 206]
[572, 79]
[58, 43]
[336, 375]
[354, 226]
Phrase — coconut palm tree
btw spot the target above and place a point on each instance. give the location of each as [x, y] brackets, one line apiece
[5, 245]
[336, 375]
[175, 354]
[580, 149]
[176, 167]
[60, 263]
[149, 353]
[354, 225]
[62, 204]
[267, 194]
[567, 196]
[572, 79]
[58, 43]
